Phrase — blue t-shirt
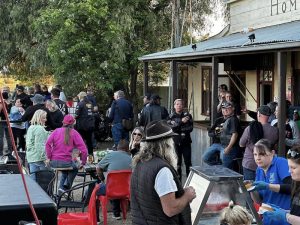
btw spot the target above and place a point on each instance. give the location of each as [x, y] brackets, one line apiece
[276, 173]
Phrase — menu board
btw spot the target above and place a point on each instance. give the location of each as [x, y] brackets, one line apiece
[200, 184]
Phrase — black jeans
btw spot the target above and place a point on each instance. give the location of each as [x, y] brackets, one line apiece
[184, 151]
[19, 134]
[87, 136]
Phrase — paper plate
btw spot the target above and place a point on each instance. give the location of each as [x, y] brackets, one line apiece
[251, 188]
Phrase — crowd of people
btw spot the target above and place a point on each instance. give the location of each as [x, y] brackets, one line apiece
[257, 146]
[156, 148]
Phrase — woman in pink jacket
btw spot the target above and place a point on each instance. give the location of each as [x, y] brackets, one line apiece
[59, 148]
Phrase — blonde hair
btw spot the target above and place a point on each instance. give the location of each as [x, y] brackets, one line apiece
[235, 215]
[141, 130]
[37, 117]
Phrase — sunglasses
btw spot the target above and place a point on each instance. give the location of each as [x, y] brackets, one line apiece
[138, 134]
[293, 154]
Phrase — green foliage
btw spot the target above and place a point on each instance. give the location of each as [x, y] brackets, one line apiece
[88, 42]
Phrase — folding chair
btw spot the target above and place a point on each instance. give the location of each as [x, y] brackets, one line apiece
[65, 200]
[79, 218]
[45, 178]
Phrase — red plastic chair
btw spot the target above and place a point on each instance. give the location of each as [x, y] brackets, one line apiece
[79, 218]
[117, 187]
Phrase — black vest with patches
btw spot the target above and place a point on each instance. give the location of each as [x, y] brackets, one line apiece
[145, 202]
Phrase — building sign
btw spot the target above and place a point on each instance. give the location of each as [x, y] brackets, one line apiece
[257, 13]
[278, 7]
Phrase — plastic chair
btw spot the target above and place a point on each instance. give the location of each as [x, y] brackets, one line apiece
[79, 218]
[117, 187]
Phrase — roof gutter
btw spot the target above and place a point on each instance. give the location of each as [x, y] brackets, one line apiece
[224, 51]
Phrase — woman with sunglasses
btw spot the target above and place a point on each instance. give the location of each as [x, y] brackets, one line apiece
[273, 181]
[135, 140]
[292, 217]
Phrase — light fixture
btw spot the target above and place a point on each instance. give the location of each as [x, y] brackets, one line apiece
[194, 47]
[251, 37]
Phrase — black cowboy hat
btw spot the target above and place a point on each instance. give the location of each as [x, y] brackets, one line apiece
[156, 130]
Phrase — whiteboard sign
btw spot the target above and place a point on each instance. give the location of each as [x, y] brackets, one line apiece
[200, 185]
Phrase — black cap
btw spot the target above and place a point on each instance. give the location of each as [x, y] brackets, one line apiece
[226, 105]
[155, 97]
[147, 95]
[264, 110]
[224, 87]
[20, 88]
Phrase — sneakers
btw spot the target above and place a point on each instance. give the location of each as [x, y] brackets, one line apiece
[60, 191]
[116, 217]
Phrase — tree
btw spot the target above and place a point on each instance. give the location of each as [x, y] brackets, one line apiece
[88, 42]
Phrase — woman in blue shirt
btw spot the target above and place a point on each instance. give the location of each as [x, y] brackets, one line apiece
[273, 179]
[292, 217]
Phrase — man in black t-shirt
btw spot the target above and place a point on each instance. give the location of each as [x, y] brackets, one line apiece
[61, 104]
[225, 133]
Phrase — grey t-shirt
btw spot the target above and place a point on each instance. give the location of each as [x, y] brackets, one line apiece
[270, 133]
[116, 160]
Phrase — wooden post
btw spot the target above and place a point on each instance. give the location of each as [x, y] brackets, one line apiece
[282, 65]
[174, 81]
[214, 89]
[146, 72]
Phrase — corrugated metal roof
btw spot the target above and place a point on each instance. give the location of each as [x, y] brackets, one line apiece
[281, 36]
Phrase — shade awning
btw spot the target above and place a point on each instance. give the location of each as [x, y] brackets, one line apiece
[282, 36]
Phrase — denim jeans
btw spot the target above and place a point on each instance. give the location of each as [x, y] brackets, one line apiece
[119, 133]
[227, 159]
[4, 132]
[36, 166]
[248, 174]
[210, 155]
[115, 203]
[68, 176]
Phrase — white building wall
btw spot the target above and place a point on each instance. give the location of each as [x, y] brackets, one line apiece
[261, 13]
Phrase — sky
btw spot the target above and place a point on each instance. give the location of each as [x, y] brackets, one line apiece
[215, 22]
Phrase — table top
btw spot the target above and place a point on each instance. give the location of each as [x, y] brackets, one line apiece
[12, 192]
[89, 167]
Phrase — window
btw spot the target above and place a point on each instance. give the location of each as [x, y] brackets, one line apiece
[206, 91]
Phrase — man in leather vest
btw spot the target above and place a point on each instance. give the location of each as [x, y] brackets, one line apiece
[157, 196]
[153, 111]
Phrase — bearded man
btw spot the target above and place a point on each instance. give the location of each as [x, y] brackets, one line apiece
[157, 196]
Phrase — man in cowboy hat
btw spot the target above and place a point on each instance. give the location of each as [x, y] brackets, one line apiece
[157, 196]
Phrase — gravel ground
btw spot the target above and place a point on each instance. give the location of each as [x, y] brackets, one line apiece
[110, 220]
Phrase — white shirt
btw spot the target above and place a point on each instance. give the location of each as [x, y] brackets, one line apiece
[164, 182]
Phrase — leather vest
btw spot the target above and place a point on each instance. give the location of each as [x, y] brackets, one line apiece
[145, 202]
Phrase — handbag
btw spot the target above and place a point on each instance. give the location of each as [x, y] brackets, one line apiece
[127, 124]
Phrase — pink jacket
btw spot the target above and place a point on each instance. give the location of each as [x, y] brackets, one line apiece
[57, 150]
